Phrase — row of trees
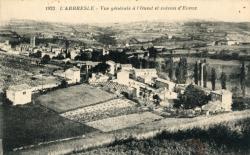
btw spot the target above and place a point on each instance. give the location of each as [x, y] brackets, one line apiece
[180, 71]
[223, 77]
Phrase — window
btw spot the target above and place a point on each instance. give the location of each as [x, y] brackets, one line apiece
[24, 93]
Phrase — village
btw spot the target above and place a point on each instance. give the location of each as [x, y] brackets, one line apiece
[142, 85]
[113, 91]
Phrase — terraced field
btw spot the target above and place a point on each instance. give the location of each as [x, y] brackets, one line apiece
[103, 110]
[124, 121]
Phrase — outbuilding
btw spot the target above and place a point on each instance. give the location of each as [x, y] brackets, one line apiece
[19, 94]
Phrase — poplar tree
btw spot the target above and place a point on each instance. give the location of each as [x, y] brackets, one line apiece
[223, 80]
[243, 78]
[196, 76]
[205, 76]
[213, 78]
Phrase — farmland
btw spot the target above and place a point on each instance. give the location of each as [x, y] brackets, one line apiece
[73, 97]
[18, 70]
[103, 110]
[124, 121]
[145, 131]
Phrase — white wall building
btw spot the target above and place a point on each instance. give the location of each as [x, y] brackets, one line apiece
[98, 78]
[149, 73]
[126, 67]
[71, 75]
[5, 46]
[221, 100]
[19, 94]
[162, 83]
[224, 96]
[112, 67]
[123, 77]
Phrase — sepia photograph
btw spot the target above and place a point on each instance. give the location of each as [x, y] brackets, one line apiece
[124, 77]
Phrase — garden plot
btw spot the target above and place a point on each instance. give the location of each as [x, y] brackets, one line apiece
[124, 121]
[74, 97]
[106, 109]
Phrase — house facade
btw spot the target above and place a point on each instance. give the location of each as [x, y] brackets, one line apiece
[19, 94]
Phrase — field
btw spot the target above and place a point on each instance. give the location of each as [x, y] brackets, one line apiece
[103, 110]
[142, 132]
[73, 97]
[17, 70]
[124, 121]
[32, 124]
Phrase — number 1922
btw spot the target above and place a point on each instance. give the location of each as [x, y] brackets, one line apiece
[50, 8]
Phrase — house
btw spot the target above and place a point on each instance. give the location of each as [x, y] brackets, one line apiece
[74, 53]
[19, 94]
[71, 75]
[123, 77]
[126, 67]
[223, 96]
[232, 42]
[141, 89]
[165, 94]
[145, 79]
[98, 78]
[162, 83]
[152, 73]
[112, 65]
[221, 100]
[5, 46]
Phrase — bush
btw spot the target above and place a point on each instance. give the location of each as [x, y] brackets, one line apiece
[192, 97]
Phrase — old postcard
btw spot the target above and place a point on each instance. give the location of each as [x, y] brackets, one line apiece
[124, 77]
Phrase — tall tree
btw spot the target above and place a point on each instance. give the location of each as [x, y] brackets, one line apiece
[196, 76]
[243, 78]
[67, 44]
[223, 79]
[184, 68]
[205, 76]
[199, 73]
[152, 52]
[177, 73]
[181, 71]
[213, 78]
[171, 67]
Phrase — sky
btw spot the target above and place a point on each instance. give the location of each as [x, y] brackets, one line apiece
[212, 10]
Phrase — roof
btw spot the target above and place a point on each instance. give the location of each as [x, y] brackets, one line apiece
[18, 87]
[164, 81]
[145, 70]
[222, 92]
[74, 69]
[110, 62]
[126, 65]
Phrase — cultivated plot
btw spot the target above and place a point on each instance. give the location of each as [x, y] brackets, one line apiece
[124, 121]
[102, 110]
[74, 97]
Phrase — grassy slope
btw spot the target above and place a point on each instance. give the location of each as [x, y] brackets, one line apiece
[31, 124]
[232, 138]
